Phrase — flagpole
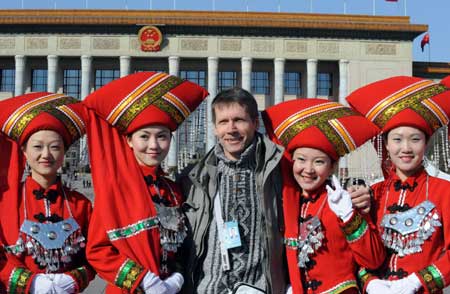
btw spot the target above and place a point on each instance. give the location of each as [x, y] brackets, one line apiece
[373, 7]
[405, 6]
[86, 3]
[22, 4]
[151, 4]
[246, 5]
[279, 5]
[214, 5]
[345, 6]
[310, 6]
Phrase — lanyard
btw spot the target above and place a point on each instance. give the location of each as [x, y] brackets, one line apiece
[220, 229]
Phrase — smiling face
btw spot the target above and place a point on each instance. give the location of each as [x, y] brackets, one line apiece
[311, 168]
[234, 128]
[406, 147]
[150, 144]
[44, 151]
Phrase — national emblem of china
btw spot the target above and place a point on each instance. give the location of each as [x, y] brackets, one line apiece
[150, 38]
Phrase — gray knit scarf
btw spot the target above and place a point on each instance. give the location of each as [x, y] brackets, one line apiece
[240, 202]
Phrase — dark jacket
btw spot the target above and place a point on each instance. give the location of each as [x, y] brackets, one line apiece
[201, 186]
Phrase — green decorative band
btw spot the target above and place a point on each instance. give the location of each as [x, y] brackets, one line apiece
[128, 274]
[18, 280]
[292, 243]
[358, 232]
[25, 119]
[363, 276]
[80, 276]
[133, 229]
[171, 110]
[413, 102]
[353, 223]
[321, 121]
[342, 287]
[150, 98]
[433, 279]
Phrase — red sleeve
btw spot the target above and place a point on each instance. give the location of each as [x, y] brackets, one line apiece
[15, 276]
[364, 241]
[436, 276]
[108, 262]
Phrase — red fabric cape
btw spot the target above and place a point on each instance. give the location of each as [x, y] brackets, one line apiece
[121, 194]
[12, 166]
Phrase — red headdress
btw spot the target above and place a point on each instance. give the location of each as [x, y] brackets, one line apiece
[117, 109]
[403, 101]
[21, 117]
[315, 123]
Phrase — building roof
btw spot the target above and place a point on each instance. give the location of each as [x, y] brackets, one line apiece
[433, 70]
[397, 27]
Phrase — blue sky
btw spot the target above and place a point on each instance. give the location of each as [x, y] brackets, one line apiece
[431, 12]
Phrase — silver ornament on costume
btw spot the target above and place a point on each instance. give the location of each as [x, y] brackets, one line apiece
[405, 232]
[309, 240]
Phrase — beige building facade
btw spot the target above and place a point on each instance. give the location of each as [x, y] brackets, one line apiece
[276, 56]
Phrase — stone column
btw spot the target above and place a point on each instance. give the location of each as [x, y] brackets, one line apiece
[172, 156]
[20, 75]
[343, 81]
[343, 86]
[311, 70]
[86, 73]
[213, 75]
[279, 80]
[246, 72]
[52, 73]
[125, 65]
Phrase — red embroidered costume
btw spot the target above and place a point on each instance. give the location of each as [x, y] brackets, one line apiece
[26, 208]
[128, 237]
[330, 265]
[412, 215]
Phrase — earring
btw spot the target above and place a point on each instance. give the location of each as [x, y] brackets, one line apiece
[27, 170]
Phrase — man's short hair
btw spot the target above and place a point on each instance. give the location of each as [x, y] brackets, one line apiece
[236, 95]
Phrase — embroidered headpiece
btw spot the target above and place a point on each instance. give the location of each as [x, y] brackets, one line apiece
[26, 114]
[316, 123]
[146, 98]
[404, 101]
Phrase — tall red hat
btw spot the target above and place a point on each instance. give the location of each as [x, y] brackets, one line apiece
[317, 123]
[404, 101]
[26, 114]
[116, 110]
[146, 98]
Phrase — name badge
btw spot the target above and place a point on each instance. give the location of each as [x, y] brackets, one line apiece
[232, 239]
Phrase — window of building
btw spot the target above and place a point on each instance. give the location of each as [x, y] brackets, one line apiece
[104, 76]
[195, 76]
[192, 133]
[260, 82]
[7, 80]
[293, 83]
[72, 83]
[324, 84]
[227, 79]
[38, 80]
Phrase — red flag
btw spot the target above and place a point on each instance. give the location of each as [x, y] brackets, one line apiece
[425, 40]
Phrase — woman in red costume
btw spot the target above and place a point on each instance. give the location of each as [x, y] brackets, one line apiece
[326, 238]
[137, 223]
[43, 223]
[411, 207]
